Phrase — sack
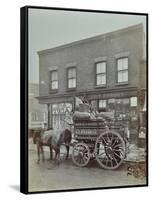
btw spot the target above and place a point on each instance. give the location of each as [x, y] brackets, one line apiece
[84, 107]
[81, 115]
[106, 115]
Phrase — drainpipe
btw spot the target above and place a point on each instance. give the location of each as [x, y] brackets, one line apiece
[48, 107]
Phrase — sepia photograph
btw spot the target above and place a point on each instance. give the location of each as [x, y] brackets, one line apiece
[86, 87]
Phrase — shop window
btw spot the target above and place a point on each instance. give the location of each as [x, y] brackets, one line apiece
[61, 113]
[111, 105]
[122, 108]
[102, 105]
[133, 101]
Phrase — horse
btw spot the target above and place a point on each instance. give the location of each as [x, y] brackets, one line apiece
[53, 139]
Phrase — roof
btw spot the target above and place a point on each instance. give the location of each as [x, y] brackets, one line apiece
[101, 36]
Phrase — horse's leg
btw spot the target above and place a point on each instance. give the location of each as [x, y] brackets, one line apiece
[58, 160]
[42, 152]
[51, 156]
[57, 156]
[67, 148]
[38, 152]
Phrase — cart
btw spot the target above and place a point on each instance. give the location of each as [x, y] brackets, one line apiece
[101, 140]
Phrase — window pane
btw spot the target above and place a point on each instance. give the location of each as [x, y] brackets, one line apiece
[102, 103]
[123, 76]
[122, 64]
[101, 79]
[72, 72]
[125, 63]
[54, 84]
[101, 67]
[120, 77]
[54, 75]
[133, 101]
[98, 68]
[72, 83]
[119, 64]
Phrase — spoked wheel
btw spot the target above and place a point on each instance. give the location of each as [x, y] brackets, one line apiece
[81, 154]
[110, 150]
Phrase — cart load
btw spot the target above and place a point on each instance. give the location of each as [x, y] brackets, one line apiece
[98, 136]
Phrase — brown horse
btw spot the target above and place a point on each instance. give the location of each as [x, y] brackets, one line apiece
[53, 139]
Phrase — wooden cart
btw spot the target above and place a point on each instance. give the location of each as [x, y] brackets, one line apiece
[106, 142]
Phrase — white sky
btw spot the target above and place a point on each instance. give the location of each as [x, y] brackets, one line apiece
[50, 28]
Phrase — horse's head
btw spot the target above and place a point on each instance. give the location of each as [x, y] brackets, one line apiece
[37, 135]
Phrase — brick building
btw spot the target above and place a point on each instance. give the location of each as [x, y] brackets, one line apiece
[106, 69]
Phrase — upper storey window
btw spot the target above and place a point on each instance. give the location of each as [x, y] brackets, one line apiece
[100, 73]
[72, 77]
[54, 80]
[122, 70]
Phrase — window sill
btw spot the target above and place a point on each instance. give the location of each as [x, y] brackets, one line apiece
[100, 86]
[53, 91]
[122, 84]
[71, 89]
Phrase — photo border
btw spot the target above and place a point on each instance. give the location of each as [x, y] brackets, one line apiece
[24, 39]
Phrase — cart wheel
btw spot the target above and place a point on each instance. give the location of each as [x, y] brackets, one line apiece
[81, 154]
[110, 150]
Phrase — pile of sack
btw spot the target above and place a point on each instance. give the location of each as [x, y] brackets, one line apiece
[84, 113]
[106, 115]
[81, 115]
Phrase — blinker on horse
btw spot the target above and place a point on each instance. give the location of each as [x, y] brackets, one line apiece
[53, 139]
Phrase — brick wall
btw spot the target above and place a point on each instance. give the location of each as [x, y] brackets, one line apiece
[83, 54]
